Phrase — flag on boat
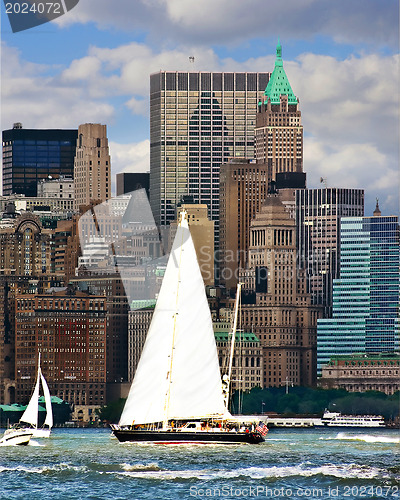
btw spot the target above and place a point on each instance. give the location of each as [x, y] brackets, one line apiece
[262, 429]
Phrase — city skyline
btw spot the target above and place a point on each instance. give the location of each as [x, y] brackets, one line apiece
[94, 65]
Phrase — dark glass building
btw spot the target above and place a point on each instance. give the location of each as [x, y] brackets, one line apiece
[131, 181]
[30, 155]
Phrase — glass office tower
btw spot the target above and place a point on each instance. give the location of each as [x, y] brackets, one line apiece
[318, 213]
[30, 155]
[366, 297]
[197, 121]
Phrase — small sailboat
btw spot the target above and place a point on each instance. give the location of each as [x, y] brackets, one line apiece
[27, 427]
[177, 395]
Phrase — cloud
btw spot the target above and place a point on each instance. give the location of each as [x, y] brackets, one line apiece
[130, 157]
[30, 96]
[232, 21]
[359, 166]
[355, 99]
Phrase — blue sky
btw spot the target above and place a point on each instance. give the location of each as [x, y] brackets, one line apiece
[342, 60]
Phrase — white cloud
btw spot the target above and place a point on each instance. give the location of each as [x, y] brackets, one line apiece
[231, 21]
[29, 95]
[130, 157]
[138, 106]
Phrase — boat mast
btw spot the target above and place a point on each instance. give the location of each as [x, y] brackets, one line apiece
[233, 338]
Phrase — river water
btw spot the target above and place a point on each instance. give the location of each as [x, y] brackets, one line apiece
[298, 464]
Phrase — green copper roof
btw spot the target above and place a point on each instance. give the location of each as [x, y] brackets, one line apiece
[279, 84]
[243, 336]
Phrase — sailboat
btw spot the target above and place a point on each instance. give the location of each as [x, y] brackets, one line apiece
[27, 427]
[177, 394]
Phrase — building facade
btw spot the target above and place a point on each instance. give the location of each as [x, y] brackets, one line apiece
[26, 266]
[61, 189]
[139, 320]
[197, 121]
[24, 203]
[92, 167]
[247, 361]
[26, 247]
[366, 297]
[361, 373]
[318, 213]
[70, 332]
[31, 155]
[202, 233]
[277, 308]
[243, 189]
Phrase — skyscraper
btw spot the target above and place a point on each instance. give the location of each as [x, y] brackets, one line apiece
[243, 189]
[281, 313]
[92, 169]
[279, 132]
[197, 121]
[318, 213]
[244, 183]
[366, 296]
[30, 155]
[127, 182]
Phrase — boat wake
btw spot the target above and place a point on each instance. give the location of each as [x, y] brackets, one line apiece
[152, 467]
[35, 443]
[367, 438]
[345, 471]
[153, 472]
[45, 469]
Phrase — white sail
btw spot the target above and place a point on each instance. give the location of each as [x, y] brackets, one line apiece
[30, 415]
[49, 412]
[178, 374]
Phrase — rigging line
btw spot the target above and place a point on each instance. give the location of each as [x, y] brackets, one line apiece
[169, 374]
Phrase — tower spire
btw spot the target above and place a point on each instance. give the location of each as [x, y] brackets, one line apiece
[278, 61]
[377, 211]
[278, 83]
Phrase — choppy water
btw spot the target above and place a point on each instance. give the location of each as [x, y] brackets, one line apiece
[90, 464]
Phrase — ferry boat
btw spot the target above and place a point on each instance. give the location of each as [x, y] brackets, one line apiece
[335, 419]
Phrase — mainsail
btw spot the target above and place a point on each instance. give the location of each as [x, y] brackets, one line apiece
[30, 415]
[49, 411]
[178, 375]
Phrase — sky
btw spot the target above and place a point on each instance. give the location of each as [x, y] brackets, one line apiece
[341, 58]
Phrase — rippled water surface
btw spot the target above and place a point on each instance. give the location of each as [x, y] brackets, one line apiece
[91, 464]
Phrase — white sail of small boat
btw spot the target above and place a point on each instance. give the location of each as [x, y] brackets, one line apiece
[33, 406]
[45, 430]
[30, 415]
[178, 376]
[47, 398]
